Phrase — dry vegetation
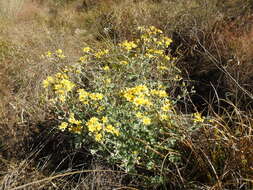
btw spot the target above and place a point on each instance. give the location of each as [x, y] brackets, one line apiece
[213, 42]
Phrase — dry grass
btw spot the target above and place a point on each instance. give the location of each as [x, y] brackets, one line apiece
[220, 155]
[11, 8]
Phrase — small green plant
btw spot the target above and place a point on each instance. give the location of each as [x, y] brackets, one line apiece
[117, 98]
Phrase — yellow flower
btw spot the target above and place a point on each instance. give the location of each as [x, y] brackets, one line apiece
[61, 56]
[116, 132]
[162, 68]
[67, 85]
[106, 68]
[66, 69]
[142, 101]
[48, 54]
[49, 80]
[101, 53]
[94, 125]
[86, 49]
[129, 97]
[159, 52]
[59, 51]
[128, 45]
[166, 57]
[93, 120]
[45, 83]
[164, 117]
[159, 42]
[104, 119]
[167, 41]
[141, 28]
[141, 89]
[159, 93]
[76, 129]
[198, 118]
[63, 126]
[83, 96]
[137, 95]
[146, 120]
[123, 62]
[58, 88]
[96, 96]
[83, 59]
[178, 78]
[62, 98]
[100, 108]
[145, 38]
[109, 128]
[61, 76]
[167, 107]
[98, 137]
[72, 119]
[154, 30]
[139, 115]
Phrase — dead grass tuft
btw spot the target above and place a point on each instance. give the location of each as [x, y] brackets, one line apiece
[10, 8]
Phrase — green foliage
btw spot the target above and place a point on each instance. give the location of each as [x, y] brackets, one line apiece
[117, 98]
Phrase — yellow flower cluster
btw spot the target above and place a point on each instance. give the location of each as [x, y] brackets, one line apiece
[151, 53]
[83, 59]
[48, 81]
[163, 117]
[151, 30]
[128, 45]
[159, 93]
[106, 68]
[145, 38]
[63, 126]
[98, 127]
[167, 106]
[167, 41]
[145, 120]
[86, 49]
[49, 54]
[138, 95]
[198, 118]
[101, 53]
[63, 86]
[154, 36]
[60, 83]
[73, 125]
[59, 53]
[72, 119]
[85, 96]
[155, 51]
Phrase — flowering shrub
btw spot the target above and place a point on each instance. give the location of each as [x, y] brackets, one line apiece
[118, 99]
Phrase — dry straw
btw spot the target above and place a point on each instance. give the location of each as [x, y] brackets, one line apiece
[10, 8]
